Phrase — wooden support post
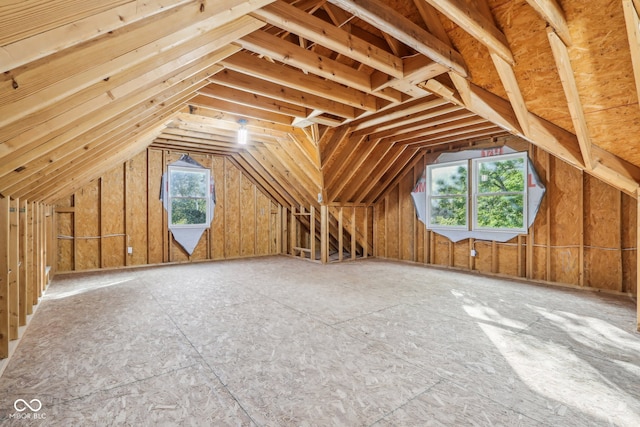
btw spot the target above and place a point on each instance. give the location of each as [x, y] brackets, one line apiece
[520, 257]
[353, 233]
[14, 274]
[34, 253]
[278, 232]
[581, 234]
[41, 250]
[312, 226]
[637, 262]
[365, 243]
[494, 257]
[374, 232]
[300, 239]
[292, 232]
[22, 260]
[432, 246]
[101, 223]
[284, 231]
[472, 258]
[29, 260]
[340, 237]
[4, 278]
[324, 234]
[452, 251]
[550, 164]
[386, 227]
[531, 232]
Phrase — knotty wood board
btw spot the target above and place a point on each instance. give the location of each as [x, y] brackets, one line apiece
[461, 251]
[113, 218]
[232, 211]
[602, 206]
[393, 222]
[629, 242]
[604, 74]
[155, 212]
[218, 225]
[263, 226]
[87, 211]
[535, 68]
[407, 219]
[136, 203]
[508, 258]
[247, 217]
[65, 246]
[566, 217]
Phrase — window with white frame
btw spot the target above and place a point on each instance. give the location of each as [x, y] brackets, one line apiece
[447, 188]
[494, 199]
[189, 197]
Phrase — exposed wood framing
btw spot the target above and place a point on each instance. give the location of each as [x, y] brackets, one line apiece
[551, 12]
[632, 21]
[468, 17]
[4, 277]
[561, 55]
[394, 24]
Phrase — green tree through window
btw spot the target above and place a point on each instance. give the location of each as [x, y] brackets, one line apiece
[189, 196]
[448, 188]
[499, 193]
[500, 196]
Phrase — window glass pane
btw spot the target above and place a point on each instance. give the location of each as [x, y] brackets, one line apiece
[500, 211]
[501, 176]
[188, 184]
[449, 211]
[188, 211]
[448, 179]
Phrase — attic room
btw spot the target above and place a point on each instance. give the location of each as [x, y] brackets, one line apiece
[320, 212]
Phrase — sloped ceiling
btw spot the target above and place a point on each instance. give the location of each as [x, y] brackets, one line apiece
[339, 96]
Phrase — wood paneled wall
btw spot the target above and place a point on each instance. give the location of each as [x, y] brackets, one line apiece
[122, 210]
[584, 234]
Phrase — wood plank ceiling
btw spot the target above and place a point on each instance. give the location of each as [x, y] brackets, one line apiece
[339, 96]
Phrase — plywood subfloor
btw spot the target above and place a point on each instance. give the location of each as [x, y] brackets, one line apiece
[279, 341]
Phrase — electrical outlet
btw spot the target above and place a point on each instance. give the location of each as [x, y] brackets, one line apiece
[130, 250]
[474, 252]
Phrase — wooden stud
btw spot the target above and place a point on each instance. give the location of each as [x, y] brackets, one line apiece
[293, 232]
[324, 234]
[340, 234]
[494, 257]
[34, 253]
[14, 275]
[22, 260]
[550, 164]
[353, 233]
[581, 265]
[637, 262]
[4, 277]
[520, 256]
[365, 242]
[29, 258]
[312, 237]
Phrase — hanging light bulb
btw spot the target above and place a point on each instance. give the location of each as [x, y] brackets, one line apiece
[243, 133]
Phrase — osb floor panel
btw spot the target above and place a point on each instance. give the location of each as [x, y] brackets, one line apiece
[279, 341]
